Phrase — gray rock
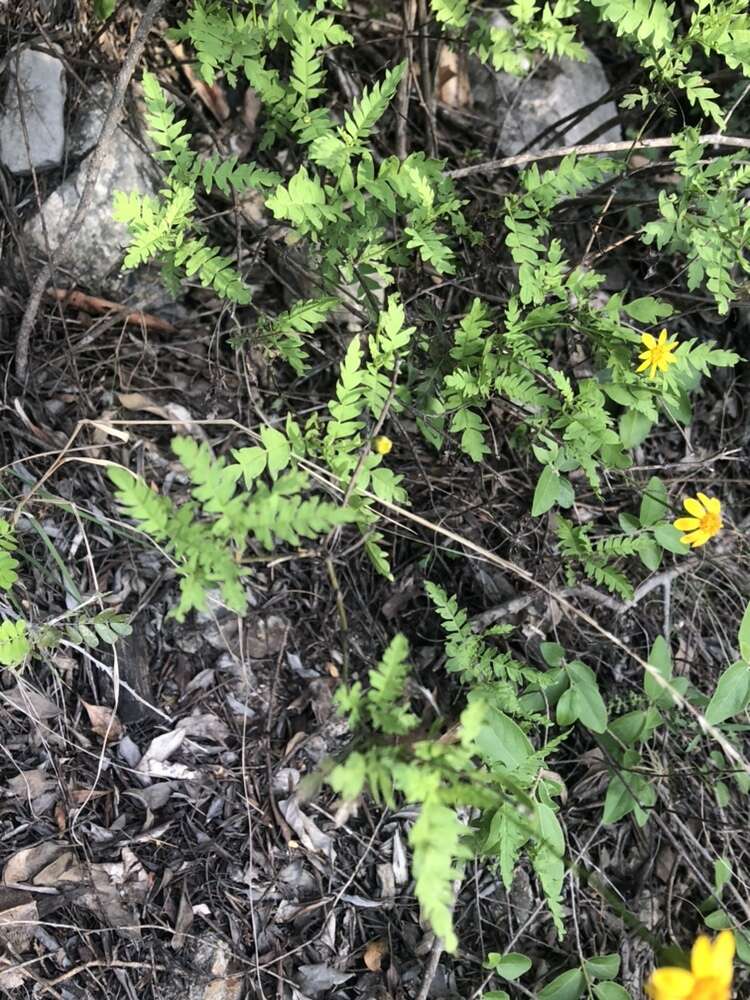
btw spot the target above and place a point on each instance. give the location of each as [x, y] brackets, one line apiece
[525, 106]
[34, 98]
[96, 246]
[88, 122]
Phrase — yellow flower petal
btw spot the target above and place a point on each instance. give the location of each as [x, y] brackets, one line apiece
[687, 523]
[648, 340]
[695, 538]
[662, 337]
[713, 959]
[693, 507]
[702, 958]
[712, 504]
[670, 984]
[644, 366]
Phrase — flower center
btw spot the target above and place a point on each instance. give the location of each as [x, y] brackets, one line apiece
[710, 523]
[660, 353]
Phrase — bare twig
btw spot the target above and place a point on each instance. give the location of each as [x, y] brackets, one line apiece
[95, 163]
[404, 89]
[429, 973]
[593, 149]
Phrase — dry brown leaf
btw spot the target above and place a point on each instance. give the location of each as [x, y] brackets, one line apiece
[185, 424]
[183, 921]
[17, 925]
[453, 87]
[104, 722]
[375, 952]
[311, 836]
[224, 989]
[36, 788]
[32, 703]
[24, 865]
[206, 726]
[211, 94]
[155, 761]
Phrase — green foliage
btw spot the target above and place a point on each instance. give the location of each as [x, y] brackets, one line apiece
[14, 643]
[208, 536]
[706, 220]
[553, 363]
[486, 761]
[8, 562]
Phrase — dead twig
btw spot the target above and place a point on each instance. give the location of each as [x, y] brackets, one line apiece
[593, 149]
[93, 304]
[95, 163]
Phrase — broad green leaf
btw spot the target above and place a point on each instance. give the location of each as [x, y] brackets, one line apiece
[647, 309]
[660, 657]
[718, 921]
[634, 726]
[510, 966]
[634, 428]
[569, 986]
[546, 492]
[566, 710]
[650, 554]
[744, 636]
[603, 966]
[104, 8]
[743, 946]
[502, 741]
[628, 523]
[732, 693]
[610, 991]
[565, 493]
[654, 503]
[553, 653]
[496, 995]
[722, 873]
[669, 538]
[589, 703]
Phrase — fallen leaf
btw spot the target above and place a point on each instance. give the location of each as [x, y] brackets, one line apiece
[155, 761]
[154, 796]
[400, 864]
[32, 703]
[36, 788]
[104, 722]
[313, 979]
[17, 926]
[183, 922]
[374, 953]
[311, 836]
[206, 726]
[26, 863]
[453, 87]
[224, 989]
[181, 418]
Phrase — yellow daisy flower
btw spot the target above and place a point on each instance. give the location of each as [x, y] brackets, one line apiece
[704, 521]
[382, 444]
[658, 354]
[709, 978]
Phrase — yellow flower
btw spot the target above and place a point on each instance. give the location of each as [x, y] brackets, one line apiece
[704, 521]
[709, 978]
[382, 444]
[658, 353]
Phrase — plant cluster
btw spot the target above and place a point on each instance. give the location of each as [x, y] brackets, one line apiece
[481, 779]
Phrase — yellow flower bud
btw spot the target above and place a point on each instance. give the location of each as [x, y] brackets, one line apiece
[382, 444]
